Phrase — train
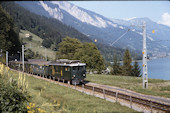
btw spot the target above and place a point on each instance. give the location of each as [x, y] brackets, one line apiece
[70, 71]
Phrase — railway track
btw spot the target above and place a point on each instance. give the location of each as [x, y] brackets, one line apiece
[132, 99]
[105, 92]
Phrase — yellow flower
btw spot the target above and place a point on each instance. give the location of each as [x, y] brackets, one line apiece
[28, 107]
[41, 111]
[32, 105]
[30, 112]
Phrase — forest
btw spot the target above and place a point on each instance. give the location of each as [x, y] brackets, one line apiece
[9, 40]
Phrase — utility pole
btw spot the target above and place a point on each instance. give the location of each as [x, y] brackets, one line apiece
[144, 52]
[45, 54]
[145, 71]
[7, 58]
[1, 55]
[23, 58]
[23, 49]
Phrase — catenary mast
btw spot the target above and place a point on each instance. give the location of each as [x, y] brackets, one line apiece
[145, 71]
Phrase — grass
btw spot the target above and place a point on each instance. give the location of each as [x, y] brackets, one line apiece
[36, 44]
[156, 87]
[66, 100]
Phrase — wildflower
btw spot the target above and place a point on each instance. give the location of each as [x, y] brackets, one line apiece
[28, 107]
[30, 112]
[33, 105]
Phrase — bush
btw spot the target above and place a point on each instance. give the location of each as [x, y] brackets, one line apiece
[12, 99]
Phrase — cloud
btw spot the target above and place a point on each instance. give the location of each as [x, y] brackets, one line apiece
[165, 19]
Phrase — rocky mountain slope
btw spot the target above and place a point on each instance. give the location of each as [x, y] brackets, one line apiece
[105, 30]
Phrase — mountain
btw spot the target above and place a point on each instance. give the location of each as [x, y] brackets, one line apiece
[162, 32]
[105, 30]
[160, 37]
[51, 30]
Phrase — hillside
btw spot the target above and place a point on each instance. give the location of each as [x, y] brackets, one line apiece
[51, 30]
[105, 30]
[36, 45]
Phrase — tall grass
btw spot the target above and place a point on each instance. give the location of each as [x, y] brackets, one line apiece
[58, 99]
[14, 95]
[12, 98]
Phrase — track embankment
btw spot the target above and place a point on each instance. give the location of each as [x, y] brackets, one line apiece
[136, 101]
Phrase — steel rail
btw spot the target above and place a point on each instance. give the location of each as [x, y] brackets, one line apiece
[145, 102]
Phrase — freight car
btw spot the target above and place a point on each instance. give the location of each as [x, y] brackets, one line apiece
[71, 71]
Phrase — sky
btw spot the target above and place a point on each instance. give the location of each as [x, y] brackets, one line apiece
[158, 11]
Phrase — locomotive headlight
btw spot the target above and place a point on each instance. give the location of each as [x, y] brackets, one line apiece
[84, 74]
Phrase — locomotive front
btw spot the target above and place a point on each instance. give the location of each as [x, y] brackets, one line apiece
[78, 72]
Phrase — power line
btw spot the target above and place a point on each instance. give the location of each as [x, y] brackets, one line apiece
[161, 40]
[119, 38]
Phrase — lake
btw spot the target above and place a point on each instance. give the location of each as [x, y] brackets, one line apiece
[158, 68]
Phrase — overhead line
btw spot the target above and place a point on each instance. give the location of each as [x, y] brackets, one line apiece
[120, 37]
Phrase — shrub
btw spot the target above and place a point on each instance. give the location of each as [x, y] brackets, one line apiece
[12, 99]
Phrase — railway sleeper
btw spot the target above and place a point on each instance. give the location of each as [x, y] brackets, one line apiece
[131, 98]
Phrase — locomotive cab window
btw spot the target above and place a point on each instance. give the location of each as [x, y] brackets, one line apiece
[67, 68]
[78, 68]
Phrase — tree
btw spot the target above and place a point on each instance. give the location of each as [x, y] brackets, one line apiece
[136, 71]
[37, 55]
[29, 54]
[116, 66]
[90, 55]
[127, 67]
[30, 38]
[9, 40]
[68, 47]
[71, 48]
[47, 42]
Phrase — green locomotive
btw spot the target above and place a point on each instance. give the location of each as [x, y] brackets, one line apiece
[71, 71]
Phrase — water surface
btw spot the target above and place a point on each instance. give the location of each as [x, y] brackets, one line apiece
[158, 68]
